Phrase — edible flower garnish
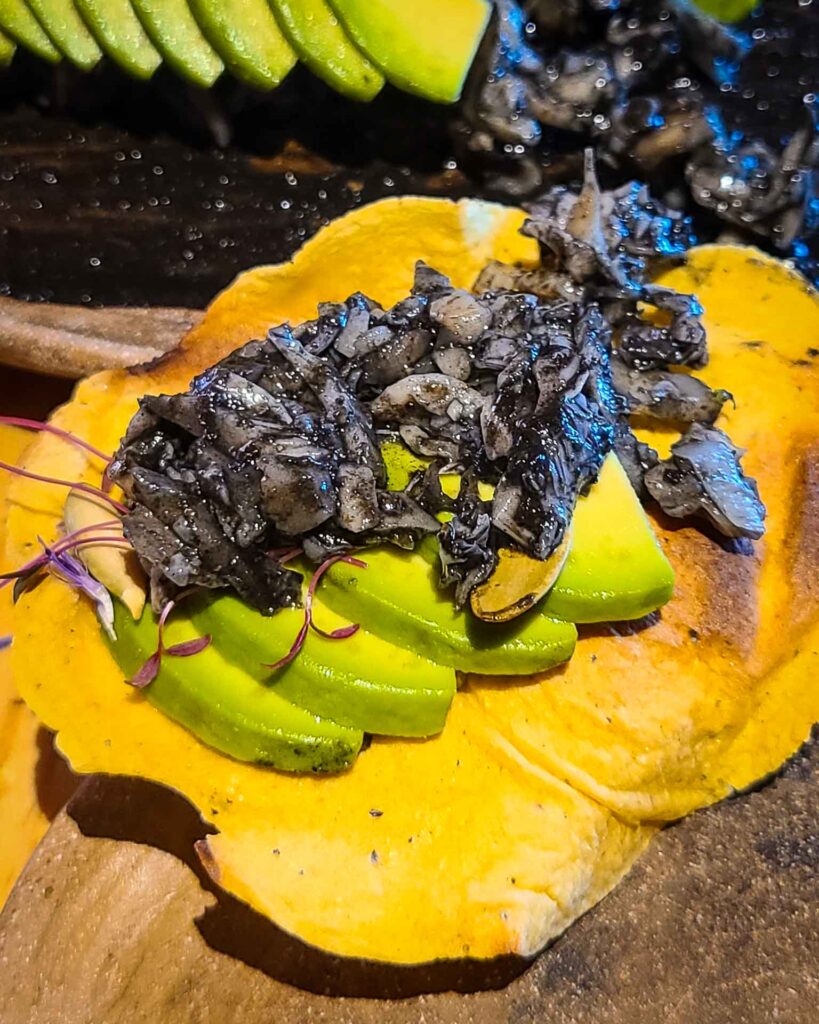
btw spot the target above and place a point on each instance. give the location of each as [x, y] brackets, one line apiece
[150, 669]
[71, 542]
[342, 633]
[5, 641]
[62, 564]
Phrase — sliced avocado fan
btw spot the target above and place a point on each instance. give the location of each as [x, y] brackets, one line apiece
[318, 37]
[364, 681]
[17, 21]
[66, 30]
[247, 37]
[116, 28]
[228, 709]
[425, 47]
[173, 30]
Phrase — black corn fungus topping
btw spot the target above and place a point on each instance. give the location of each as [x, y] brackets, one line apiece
[526, 384]
[702, 477]
[650, 84]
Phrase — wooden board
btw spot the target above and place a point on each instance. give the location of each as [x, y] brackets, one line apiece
[113, 922]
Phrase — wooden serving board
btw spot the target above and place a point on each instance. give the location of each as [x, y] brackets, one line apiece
[113, 922]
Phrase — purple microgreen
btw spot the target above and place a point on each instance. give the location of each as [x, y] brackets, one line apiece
[75, 485]
[71, 541]
[342, 633]
[298, 643]
[282, 555]
[189, 647]
[71, 571]
[147, 673]
[49, 428]
[150, 668]
[5, 641]
[21, 583]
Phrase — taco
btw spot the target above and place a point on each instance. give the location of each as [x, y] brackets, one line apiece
[516, 801]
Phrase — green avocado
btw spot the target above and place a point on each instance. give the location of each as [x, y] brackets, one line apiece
[397, 597]
[7, 50]
[226, 708]
[116, 28]
[17, 22]
[174, 32]
[425, 47]
[361, 681]
[66, 29]
[319, 39]
[247, 37]
[616, 569]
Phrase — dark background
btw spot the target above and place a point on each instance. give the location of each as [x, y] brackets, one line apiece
[114, 191]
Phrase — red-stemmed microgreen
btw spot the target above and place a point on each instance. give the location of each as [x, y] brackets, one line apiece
[284, 555]
[149, 670]
[75, 485]
[295, 648]
[50, 428]
[342, 633]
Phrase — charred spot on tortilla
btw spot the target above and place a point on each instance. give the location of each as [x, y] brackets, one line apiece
[277, 446]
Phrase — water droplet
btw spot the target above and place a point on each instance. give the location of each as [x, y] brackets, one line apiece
[49, 177]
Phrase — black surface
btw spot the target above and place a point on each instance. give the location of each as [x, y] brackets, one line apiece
[121, 192]
[127, 199]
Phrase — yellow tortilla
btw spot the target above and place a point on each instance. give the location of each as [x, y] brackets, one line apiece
[31, 774]
[539, 794]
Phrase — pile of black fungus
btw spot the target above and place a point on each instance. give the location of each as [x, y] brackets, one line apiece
[658, 87]
[527, 383]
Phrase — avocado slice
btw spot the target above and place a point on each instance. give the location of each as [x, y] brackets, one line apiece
[615, 569]
[397, 597]
[363, 681]
[425, 47]
[319, 39]
[116, 28]
[226, 708]
[247, 37]
[66, 30]
[7, 50]
[173, 30]
[17, 22]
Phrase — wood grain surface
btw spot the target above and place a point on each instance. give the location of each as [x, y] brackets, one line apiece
[114, 922]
